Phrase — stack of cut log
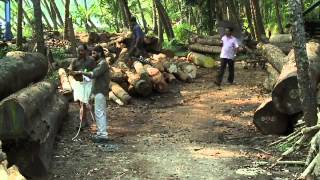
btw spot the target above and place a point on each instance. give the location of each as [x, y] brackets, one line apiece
[141, 79]
[282, 41]
[205, 45]
[276, 115]
[30, 115]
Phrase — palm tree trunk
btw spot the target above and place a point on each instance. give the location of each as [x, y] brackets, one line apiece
[38, 26]
[249, 18]
[57, 12]
[19, 25]
[66, 19]
[279, 21]
[142, 16]
[259, 23]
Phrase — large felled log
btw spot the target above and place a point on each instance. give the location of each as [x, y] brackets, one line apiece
[205, 48]
[120, 92]
[207, 41]
[18, 69]
[188, 68]
[285, 47]
[274, 55]
[271, 79]
[280, 38]
[33, 156]
[115, 99]
[18, 110]
[157, 79]
[285, 94]
[201, 60]
[64, 81]
[270, 121]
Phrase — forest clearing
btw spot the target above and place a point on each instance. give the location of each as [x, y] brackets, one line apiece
[157, 89]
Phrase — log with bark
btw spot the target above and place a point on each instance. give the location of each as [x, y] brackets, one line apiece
[271, 79]
[273, 54]
[285, 47]
[138, 86]
[206, 41]
[157, 79]
[280, 38]
[201, 60]
[115, 99]
[270, 121]
[285, 94]
[119, 92]
[34, 153]
[205, 48]
[18, 69]
[18, 111]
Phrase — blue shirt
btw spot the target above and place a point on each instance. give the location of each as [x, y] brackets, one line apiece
[137, 31]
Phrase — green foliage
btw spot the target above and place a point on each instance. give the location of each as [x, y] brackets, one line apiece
[4, 50]
[182, 32]
[59, 53]
[284, 147]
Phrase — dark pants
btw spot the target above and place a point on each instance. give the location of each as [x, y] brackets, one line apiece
[223, 65]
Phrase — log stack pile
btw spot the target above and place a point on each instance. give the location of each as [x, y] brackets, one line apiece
[276, 115]
[205, 45]
[141, 78]
[30, 115]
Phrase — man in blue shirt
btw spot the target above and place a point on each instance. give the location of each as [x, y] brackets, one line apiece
[138, 38]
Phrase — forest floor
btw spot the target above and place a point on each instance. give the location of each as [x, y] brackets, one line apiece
[193, 132]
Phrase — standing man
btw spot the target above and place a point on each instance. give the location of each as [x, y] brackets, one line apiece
[138, 38]
[100, 85]
[82, 63]
[230, 46]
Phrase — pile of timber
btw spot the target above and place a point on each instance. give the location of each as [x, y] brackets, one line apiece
[31, 112]
[282, 81]
[140, 79]
[282, 41]
[205, 45]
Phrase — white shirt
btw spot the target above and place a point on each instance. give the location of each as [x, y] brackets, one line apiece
[230, 44]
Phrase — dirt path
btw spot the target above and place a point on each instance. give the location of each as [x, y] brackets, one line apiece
[193, 132]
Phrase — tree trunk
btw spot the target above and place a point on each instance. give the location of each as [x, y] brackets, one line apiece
[279, 21]
[142, 16]
[271, 79]
[19, 25]
[160, 32]
[66, 19]
[57, 12]
[126, 12]
[72, 37]
[235, 17]
[52, 13]
[307, 94]
[164, 18]
[259, 22]
[38, 26]
[249, 18]
[205, 48]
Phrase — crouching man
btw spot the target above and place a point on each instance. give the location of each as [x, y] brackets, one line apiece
[100, 78]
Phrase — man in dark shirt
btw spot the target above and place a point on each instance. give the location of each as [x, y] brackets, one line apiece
[138, 38]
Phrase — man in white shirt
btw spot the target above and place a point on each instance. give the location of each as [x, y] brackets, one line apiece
[230, 46]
